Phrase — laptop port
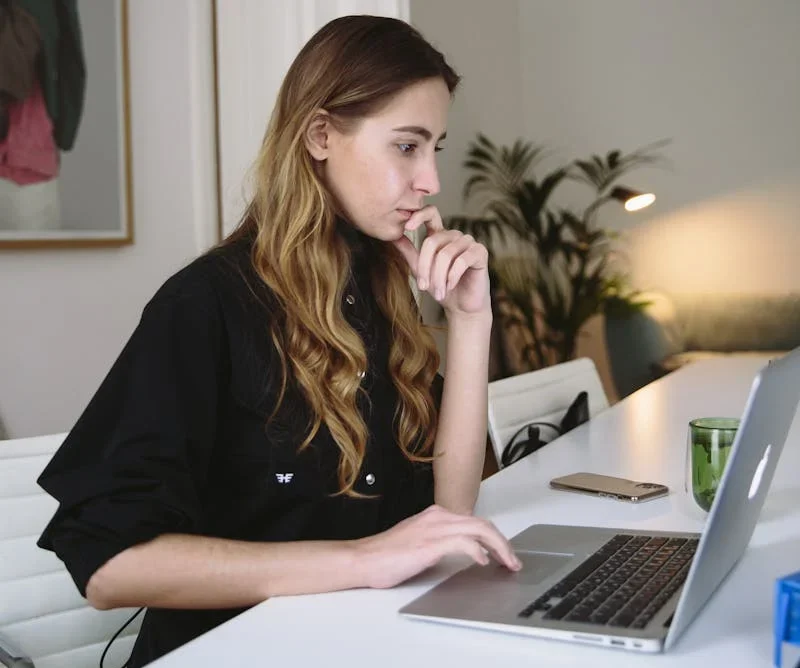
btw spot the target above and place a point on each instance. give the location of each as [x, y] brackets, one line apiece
[618, 643]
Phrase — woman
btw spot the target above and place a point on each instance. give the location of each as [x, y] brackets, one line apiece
[272, 427]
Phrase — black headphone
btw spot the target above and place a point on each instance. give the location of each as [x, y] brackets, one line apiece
[577, 413]
[513, 452]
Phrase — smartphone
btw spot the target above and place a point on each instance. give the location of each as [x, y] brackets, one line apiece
[610, 487]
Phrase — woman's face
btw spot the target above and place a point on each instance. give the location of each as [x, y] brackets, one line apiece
[381, 171]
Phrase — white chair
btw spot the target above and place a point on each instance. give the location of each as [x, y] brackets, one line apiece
[541, 395]
[42, 614]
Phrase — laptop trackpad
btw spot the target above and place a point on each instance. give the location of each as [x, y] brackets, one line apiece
[536, 566]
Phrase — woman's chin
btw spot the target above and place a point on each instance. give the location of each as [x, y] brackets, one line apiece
[394, 231]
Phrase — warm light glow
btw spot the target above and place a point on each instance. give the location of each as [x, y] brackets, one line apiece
[639, 202]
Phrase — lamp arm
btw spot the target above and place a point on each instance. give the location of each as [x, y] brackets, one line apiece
[594, 206]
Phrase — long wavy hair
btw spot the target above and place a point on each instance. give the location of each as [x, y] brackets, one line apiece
[351, 68]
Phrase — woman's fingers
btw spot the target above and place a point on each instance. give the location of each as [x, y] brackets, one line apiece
[476, 256]
[427, 253]
[489, 536]
[428, 216]
[497, 544]
[468, 546]
[408, 251]
[446, 257]
[483, 533]
[475, 548]
[421, 541]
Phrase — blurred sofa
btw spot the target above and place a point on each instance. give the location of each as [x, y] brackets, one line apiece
[676, 329]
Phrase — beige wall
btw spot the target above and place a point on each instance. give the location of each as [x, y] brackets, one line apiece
[65, 314]
[719, 78]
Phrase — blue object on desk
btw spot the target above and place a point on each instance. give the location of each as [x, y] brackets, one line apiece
[787, 613]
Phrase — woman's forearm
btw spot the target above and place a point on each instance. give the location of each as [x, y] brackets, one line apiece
[182, 571]
[460, 445]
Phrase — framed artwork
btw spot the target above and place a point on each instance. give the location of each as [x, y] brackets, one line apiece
[65, 136]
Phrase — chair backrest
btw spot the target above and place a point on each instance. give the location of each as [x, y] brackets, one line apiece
[544, 394]
[41, 611]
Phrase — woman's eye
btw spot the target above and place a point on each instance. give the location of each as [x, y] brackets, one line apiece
[406, 148]
[439, 148]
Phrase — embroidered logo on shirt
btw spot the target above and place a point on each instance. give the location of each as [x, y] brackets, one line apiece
[284, 478]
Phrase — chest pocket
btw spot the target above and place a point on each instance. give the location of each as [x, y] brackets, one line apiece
[295, 476]
[265, 453]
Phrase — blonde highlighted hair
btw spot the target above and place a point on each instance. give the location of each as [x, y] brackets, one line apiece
[350, 68]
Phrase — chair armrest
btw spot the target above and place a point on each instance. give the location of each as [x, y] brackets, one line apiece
[11, 656]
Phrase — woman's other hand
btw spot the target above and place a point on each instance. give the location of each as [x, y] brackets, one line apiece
[451, 266]
[421, 541]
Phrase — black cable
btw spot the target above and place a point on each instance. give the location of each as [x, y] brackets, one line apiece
[114, 637]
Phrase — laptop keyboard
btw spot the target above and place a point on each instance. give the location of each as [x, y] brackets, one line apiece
[624, 584]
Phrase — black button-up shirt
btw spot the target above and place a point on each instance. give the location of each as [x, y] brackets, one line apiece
[176, 439]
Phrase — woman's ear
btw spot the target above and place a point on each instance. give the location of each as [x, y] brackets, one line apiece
[318, 134]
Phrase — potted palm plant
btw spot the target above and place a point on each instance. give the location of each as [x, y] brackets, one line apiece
[552, 268]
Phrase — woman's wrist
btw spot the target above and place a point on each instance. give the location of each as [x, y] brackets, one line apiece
[363, 555]
[480, 318]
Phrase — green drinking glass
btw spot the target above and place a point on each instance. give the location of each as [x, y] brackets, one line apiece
[708, 448]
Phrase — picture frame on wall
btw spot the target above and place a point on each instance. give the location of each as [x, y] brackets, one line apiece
[65, 135]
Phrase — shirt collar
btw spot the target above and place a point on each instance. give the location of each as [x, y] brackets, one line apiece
[358, 243]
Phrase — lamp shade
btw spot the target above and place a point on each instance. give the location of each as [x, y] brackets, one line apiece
[632, 199]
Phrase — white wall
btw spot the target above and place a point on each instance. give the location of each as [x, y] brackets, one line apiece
[718, 77]
[480, 41]
[65, 314]
[489, 98]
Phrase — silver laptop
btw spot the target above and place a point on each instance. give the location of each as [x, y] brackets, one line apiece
[635, 590]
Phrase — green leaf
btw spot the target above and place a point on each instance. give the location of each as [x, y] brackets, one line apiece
[480, 156]
[563, 274]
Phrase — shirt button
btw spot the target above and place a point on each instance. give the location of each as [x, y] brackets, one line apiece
[370, 479]
[350, 299]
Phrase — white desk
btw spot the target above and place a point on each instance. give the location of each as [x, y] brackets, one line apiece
[642, 437]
